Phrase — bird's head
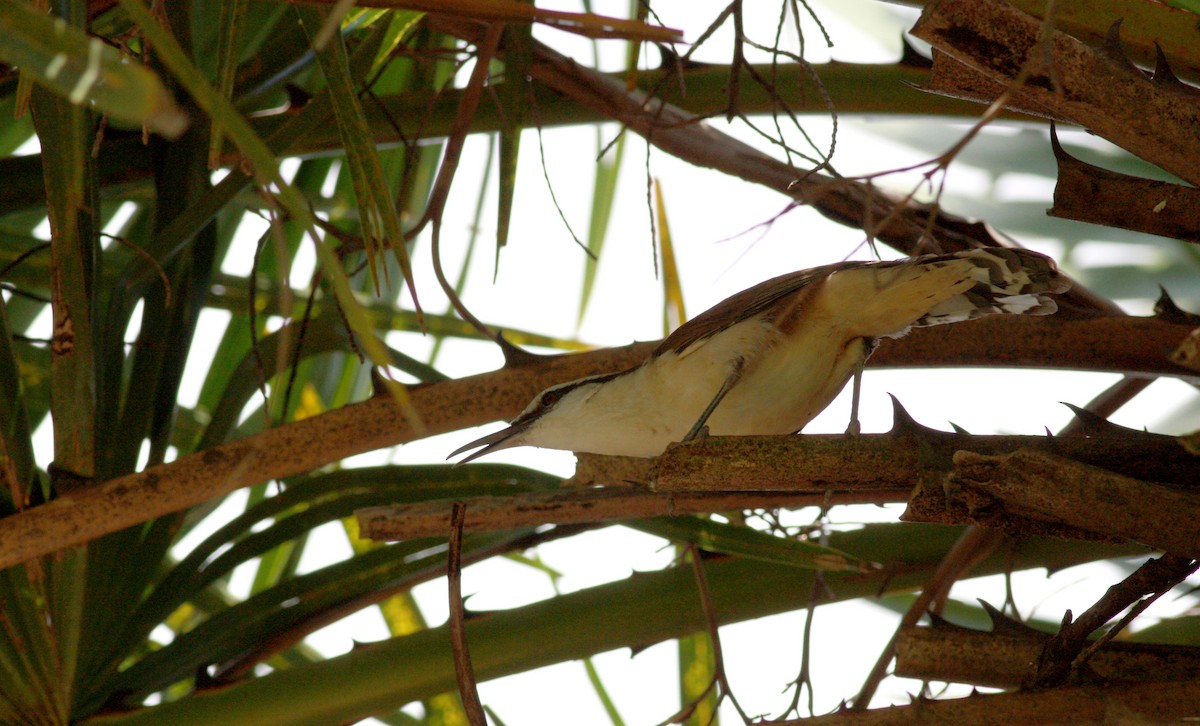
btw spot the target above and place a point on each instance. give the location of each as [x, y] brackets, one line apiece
[554, 419]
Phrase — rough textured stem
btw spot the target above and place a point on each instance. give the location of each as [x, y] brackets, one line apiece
[1008, 660]
[579, 506]
[1100, 90]
[743, 472]
[1039, 485]
[1149, 702]
[901, 458]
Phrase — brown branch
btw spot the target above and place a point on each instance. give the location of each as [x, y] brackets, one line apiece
[1061, 655]
[1089, 193]
[1150, 28]
[745, 472]
[997, 659]
[1120, 344]
[1130, 345]
[1100, 90]
[287, 450]
[1146, 702]
[1045, 487]
[586, 505]
[451, 155]
[910, 454]
[458, 633]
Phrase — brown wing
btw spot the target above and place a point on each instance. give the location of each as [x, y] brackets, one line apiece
[1041, 273]
[747, 304]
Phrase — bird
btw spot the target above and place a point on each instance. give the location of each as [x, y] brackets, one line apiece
[770, 358]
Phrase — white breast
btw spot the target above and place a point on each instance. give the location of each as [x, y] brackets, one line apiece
[791, 383]
[785, 383]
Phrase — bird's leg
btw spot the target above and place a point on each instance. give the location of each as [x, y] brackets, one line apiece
[855, 427]
[699, 429]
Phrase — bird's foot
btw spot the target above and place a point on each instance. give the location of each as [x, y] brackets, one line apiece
[696, 436]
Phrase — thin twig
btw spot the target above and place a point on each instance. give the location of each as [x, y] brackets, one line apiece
[711, 621]
[297, 351]
[12, 264]
[1061, 653]
[260, 365]
[531, 97]
[486, 49]
[804, 677]
[1138, 608]
[458, 632]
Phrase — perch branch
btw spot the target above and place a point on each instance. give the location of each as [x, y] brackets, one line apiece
[746, 472]
[1127, 345]
[586, 505]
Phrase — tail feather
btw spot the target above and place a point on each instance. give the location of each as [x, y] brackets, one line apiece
[1008, 281]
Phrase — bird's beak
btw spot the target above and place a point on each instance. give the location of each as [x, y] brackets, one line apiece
[502, 439]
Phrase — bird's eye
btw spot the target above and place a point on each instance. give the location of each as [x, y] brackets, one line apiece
[550, 397]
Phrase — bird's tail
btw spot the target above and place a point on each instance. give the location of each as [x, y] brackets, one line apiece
[1008, 281]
